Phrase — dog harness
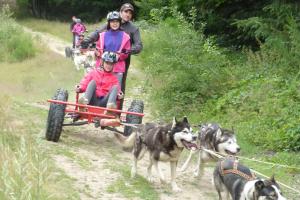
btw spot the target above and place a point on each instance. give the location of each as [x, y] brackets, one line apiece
[234, 169]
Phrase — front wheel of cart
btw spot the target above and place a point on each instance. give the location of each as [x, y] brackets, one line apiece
[56, 116]
[68, 52]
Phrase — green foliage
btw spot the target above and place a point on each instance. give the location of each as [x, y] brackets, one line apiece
[265, 99]
[15, 44]
[172, 58]
[270, 24]
[236, 23]
[87, 10]
[22, 6]
[24, 167]
[257, 92]
[147, 8]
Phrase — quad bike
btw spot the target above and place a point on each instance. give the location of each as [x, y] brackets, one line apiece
[81, 114]
[69, 51]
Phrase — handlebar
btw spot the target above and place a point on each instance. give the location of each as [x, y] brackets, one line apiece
[125, 51]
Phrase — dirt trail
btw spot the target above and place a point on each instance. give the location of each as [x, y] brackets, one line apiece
[96, 150]
[54, 43]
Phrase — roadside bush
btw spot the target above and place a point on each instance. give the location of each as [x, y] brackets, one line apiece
[15, 44]
[264, 102]
[183, 66]
[256, 92]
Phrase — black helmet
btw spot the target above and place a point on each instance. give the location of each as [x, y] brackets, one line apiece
[114, 15]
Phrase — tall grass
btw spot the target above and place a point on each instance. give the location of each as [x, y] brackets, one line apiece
[24, 168]
[25, 162]
[15, 44]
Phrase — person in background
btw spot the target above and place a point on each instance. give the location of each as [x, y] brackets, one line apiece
[71, 28]
[126, 13]
[78, 30]
[80, 39]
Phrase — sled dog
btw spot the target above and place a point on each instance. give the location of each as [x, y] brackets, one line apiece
[164, 142]
[212, 137]
[240, 183]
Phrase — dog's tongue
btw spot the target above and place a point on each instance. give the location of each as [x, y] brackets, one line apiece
[189, 145]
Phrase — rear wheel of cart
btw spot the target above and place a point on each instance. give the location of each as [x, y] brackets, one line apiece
[68, 52]
[56, 116]
[138, 107]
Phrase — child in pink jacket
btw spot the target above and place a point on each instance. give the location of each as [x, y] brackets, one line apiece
[78, 30]
[114, 40]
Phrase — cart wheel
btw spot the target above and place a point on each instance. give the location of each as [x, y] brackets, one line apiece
[56, 116]
[68, 52]
[138, 107]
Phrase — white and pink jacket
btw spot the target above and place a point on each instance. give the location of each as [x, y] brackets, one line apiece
[124, 46]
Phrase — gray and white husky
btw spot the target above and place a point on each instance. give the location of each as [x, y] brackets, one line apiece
[212, 137]
[163, 142]
[84, 60]
[240, 183]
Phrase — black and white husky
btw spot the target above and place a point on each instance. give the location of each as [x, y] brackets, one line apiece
[163, 142]
[212, 137]
[240, 183]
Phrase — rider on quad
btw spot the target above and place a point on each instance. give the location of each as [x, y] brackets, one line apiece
[126, 13]
[114, 40]
[100, 86]
[78, 29]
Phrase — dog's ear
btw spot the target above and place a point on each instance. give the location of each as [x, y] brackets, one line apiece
[219, 134]
[259, 185]
[185, 120]
[174, 122]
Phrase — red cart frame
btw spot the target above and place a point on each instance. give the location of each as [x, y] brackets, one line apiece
[82, 114]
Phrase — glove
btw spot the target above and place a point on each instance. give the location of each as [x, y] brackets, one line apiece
[121, 95]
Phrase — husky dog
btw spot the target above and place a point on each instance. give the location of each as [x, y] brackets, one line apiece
[241, 184]
[212, 137]
[86, 60]
[163, 142]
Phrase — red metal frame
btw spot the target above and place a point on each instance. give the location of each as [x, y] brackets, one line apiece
[91, 111]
